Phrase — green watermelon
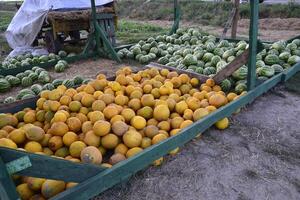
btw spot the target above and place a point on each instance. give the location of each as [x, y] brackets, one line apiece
[226, 85]
[209, 71]
[28, 96]
[24, 92]
[14, 81]
[26, 81]
[68, 83]
[78, 80]
[48, 86]
[62, 54]
[293, 60]
[4, 85]
[266, 71]
[240, 74]
[57, 82]
[271, 59]
[36, 88]
[59, 67]
[277, 68]
[9, 100]
[240, 88]
[34, 76]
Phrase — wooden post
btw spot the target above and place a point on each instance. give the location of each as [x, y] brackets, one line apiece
[235, 18]
[251, 78]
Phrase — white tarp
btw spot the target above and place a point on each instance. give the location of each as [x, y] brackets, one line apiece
[29, 19]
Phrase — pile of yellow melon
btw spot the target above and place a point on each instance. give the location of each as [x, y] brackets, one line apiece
[124, 116]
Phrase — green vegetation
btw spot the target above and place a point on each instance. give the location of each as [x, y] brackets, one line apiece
[206, 13]
[132, 32]
[6, 17]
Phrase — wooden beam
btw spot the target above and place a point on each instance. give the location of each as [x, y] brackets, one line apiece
[235, 18]
[51, 168]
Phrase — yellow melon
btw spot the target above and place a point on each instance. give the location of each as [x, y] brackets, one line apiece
[8, 143]
[176, 122]
[35, 184]
[164, 125]
[3, 134]
[222, 124]
[133, 151]
[101, 128]
[47, 151]
[86, 126]
[181, 107]
[91, 139]
[33, 147]
[121, 148]
[95, 116]
[76, 148]
[116, 158]
[145, 112]
[59, 128]
[119, 128]
[74, 124]
[17, 136]
[150, 131]
[185, 124]
[24, 191]
[138, 122]
[109, 141]
[98, 105]
[128, 114]
[200, 113]
[121, 100]
[55, 142]
[87, 100]
[74, 106]
[158, 162]
[51, 188]
[132, 139]
[110, 111]
[161, 112]
[217, 100]
[69, 138]
[29, 117]
[158, 138]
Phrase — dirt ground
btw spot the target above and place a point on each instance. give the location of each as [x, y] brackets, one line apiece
[270, 29]
[258, 157]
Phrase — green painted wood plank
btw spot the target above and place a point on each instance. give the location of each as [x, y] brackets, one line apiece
[51, 168]
[122, 170]
[253, 31]
[291, 71]
[18, 165]
[7, 186]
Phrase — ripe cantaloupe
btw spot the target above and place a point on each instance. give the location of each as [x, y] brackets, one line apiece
[74, 106]
[176, 122]
[87, 100]
[110, 111]
[222, 124]
[91, 155]
[98, 105]
[146, 142]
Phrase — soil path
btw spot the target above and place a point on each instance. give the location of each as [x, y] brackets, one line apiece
[258, 157]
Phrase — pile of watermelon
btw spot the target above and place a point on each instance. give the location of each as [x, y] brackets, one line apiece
[36, 89]
[190, 50]
[25, 79]
[28, 59]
